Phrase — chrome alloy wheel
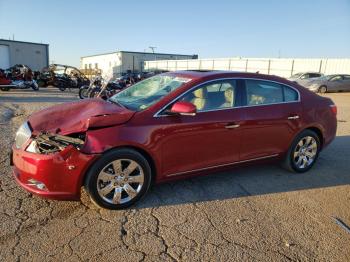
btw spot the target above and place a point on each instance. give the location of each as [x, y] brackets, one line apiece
[305, 152]
[120, 181]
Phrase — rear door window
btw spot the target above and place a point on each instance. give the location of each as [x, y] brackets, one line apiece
[260, 92]
[313, 75]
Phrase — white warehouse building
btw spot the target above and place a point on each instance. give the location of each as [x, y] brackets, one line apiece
[121, 62]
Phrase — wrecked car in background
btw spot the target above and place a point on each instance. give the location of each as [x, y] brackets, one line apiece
[62, 76]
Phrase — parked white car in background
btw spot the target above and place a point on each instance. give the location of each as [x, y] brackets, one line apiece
[304, 78]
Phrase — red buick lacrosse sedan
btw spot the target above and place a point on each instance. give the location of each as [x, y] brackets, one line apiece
[170, 126]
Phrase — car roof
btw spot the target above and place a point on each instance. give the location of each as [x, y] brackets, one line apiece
[213, 74]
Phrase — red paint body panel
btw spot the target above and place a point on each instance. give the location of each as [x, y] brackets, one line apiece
[52, 170]
[76, 117]
[178, 146]
[268, 131]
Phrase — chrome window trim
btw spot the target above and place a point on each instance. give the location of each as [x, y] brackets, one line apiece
[157, 114]
[223, 165]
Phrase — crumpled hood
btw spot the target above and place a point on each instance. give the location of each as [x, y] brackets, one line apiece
[76, 117]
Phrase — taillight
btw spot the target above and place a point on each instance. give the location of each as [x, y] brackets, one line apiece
[334, 109]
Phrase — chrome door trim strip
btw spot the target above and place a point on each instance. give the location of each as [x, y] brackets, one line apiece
[157, 114]
[223, 165]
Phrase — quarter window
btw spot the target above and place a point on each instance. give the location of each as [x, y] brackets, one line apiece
[215, 96]
[290, 94]
[264, 92]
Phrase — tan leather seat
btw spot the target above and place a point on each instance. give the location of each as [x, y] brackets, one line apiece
[200, 98]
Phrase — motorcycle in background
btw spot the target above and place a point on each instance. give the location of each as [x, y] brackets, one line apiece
[17, 77]
[85, 90]
[100, 88]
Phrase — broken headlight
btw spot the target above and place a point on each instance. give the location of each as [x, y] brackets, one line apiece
[47, 143]
[22, 135]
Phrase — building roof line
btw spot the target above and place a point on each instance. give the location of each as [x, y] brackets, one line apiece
[133, 52]
[7, 40]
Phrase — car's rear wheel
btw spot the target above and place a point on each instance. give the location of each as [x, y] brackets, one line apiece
[118, 179]
[322, 89]
[303, 152]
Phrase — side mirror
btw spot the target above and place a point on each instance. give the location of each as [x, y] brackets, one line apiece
[183, 108]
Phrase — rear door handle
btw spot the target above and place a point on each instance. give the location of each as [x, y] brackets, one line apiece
[231, 126]
[293, 117]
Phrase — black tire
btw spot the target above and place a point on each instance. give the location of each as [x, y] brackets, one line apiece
[4, 88]
[61, 86]
[84, 92]
[289, 161]
[102, 164]
[322, 89]
[41, 83]
[35, 86]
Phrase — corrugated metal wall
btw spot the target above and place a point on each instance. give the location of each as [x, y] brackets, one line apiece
[274, 66]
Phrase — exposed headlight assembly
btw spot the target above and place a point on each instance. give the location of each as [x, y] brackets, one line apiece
[22, 135]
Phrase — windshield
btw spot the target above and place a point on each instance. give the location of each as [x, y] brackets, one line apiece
[149, 91]
[296, 75]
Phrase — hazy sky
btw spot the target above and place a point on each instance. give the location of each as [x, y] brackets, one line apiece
[250, 28]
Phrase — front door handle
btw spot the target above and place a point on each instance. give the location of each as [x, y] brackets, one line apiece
[293, 117]
[231, 126]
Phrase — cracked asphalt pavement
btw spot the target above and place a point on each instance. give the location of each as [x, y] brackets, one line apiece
[255, 213]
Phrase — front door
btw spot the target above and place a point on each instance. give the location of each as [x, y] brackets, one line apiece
[335, 83]
[208, 139]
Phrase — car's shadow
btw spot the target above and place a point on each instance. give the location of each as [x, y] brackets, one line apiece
[332, 169]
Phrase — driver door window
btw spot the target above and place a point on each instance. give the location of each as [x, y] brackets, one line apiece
[337, 78]
[213, 96]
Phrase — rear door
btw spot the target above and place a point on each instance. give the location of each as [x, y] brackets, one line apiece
[272, 118]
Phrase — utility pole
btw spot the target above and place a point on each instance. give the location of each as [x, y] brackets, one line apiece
[152, 48]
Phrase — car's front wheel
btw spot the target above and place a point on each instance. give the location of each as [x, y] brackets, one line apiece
[118, 179]
[303, 152]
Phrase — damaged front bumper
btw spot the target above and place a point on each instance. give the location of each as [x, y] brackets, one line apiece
[54, 168]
